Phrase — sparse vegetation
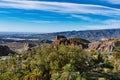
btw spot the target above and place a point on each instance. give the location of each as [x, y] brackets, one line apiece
[64, 63]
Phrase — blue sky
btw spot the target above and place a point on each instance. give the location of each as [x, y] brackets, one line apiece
[58, 15]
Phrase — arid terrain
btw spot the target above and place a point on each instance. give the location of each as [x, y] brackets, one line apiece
[46, 59]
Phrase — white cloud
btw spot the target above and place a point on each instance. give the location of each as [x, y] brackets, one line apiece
[81, 17]
[112, 22]
[42, 21]
[113, 1]
[107, 24]
[61, 7]
[98, 27]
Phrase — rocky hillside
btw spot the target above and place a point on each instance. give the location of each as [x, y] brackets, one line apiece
[105, 46]
[70, 41]
[24, 46]
[4, 51]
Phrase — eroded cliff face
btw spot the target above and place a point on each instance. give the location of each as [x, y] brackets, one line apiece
[71, 41]
[105, 46]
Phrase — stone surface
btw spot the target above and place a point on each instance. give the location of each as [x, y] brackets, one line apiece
[71, 41]
[105, 45]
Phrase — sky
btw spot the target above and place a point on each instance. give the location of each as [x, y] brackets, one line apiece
[58, 15]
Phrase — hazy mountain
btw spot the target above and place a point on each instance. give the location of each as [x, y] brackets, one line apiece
[91, 35]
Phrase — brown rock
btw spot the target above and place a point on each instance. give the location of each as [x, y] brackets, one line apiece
[79, 41]
[59, 40]
[71, 41]
[105, 46]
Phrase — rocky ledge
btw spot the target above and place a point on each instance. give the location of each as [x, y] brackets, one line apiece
[70, 41]
[105, 46]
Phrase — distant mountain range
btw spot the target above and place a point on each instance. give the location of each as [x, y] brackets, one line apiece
[91, 35]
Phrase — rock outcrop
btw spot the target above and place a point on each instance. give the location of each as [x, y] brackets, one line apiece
[60, 40]
[5, 51]
[20, 47]
[24, 46]
[79, 41]
[71, 41]
[105, 46]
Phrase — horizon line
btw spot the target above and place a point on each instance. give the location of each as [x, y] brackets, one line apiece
[19, 32]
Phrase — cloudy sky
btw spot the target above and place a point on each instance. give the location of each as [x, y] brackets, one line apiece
[58, 15]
